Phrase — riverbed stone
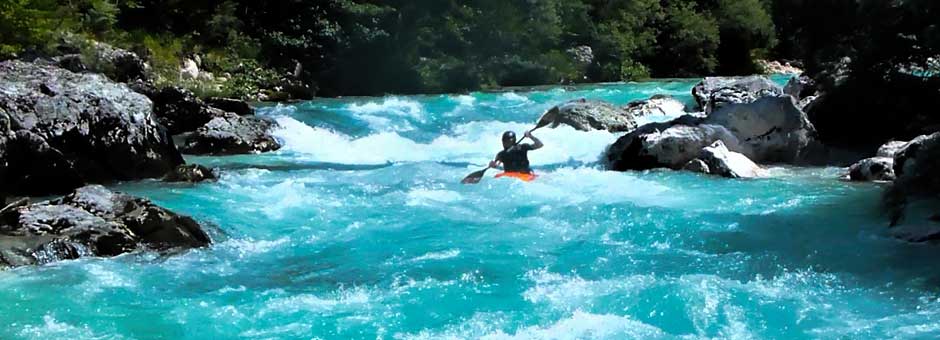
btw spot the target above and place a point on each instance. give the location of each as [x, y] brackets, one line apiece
[91, 221]
[588, 115]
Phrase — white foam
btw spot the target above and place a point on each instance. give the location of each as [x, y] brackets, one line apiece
[572, 292]
[390, 106]
[55, 329]
[437, 256]
[345, 299]
[476, 142]
[429, 197]
[584, 325]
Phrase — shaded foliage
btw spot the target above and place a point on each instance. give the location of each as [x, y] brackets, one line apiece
[354, 47]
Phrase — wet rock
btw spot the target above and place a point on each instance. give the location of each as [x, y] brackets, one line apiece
[179, 110]
[656, 105]
[872, 169]
[726, 163]
[917, 166]
[697, 165]
[91, 221]
[890, 149]
[772, 128]
[232, 134]
[715, 92]
[60, 130]
[587, 115]
[666, 145]
[190, 173]
[239, 107]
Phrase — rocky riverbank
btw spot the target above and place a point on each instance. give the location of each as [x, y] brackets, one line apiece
[61, 131]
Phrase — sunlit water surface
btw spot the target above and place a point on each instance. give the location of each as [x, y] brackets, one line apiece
[358, 228]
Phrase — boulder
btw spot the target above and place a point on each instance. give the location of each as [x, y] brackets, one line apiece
[236, 106]
[179, 110]
[917, 166]
[872, 169]
[191, 173]
[91, 221]
[723, 162]
[582, 55]
[667, 145]
[60, 130]
[587, 115]
[890, 149]
[232, 134]
[697, 165]
[772, 128]
[714, 92]
[800, 87]
[656, 105]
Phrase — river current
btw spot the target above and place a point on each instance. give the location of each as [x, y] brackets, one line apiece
[359, 228]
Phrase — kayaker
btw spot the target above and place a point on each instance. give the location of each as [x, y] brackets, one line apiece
[514, 159]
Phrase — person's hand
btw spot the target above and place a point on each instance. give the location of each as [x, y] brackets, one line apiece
[528, 133]
[494, 164]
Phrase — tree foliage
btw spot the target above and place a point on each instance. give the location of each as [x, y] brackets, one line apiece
[354, 47]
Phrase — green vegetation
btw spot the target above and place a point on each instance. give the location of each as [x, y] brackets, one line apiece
[356, 47]
[367, 47]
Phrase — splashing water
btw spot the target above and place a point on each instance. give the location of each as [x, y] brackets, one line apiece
[359, 228]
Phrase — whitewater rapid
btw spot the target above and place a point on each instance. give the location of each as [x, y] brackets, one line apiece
[359, 228]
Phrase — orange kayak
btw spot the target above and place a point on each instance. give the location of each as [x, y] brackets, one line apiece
[518, 175]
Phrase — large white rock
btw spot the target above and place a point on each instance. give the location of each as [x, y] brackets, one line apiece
[667, 145]
[773, 128]
[726, 163]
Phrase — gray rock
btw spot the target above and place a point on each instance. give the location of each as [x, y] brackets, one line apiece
[714, 92]
[726, 163]
[190, 173]
[587, 115]
[800, 87]
[91, 221]
[697, 165]
[60, 130]
[872, 169]
[179, 110]
[232, 134]
[239, 107]
[917, 172]
[667, 145]
[772, 128]
[656, 105]
[890, 149]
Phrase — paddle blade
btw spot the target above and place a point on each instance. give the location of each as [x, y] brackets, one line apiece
[475, 177]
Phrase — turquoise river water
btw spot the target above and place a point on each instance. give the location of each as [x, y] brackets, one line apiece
[358, 228]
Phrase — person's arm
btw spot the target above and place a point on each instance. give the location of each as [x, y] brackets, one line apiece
[538, 143]
[497, 163]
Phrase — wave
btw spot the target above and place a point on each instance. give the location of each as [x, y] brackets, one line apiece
[475, 142]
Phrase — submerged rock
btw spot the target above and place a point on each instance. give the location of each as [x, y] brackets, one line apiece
[587, 115]
[91, 221]
[60, 130]
[190, 173]
[232, 134]
[715, 92]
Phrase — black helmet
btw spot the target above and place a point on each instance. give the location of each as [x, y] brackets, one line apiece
[509, 136]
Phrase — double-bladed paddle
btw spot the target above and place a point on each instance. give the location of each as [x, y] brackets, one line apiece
[476, 176]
